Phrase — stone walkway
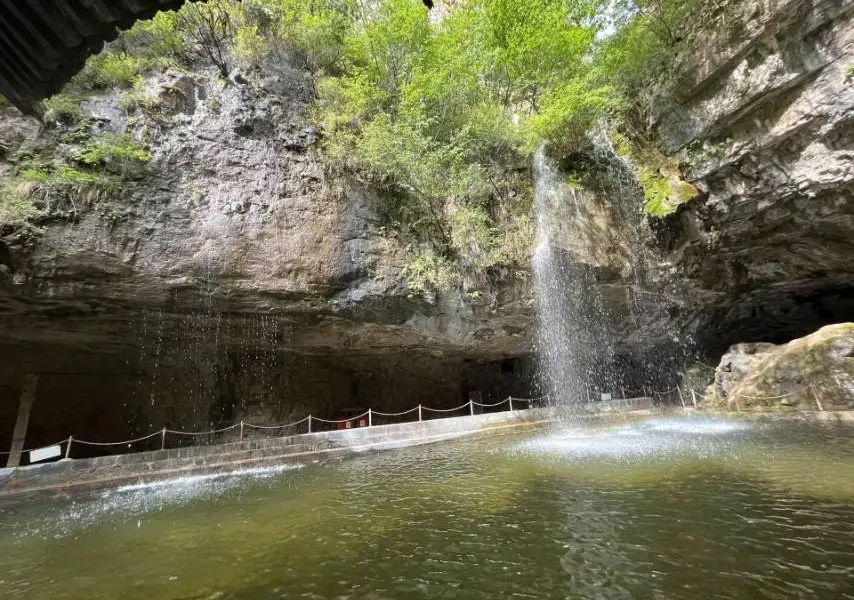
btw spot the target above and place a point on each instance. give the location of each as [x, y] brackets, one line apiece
[143, 467]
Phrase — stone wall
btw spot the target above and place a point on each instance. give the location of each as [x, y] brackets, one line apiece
[762, 115]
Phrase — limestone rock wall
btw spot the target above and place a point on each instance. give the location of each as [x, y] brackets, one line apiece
[815, 372]
[231, 277]
[762, 114]
[234, 221]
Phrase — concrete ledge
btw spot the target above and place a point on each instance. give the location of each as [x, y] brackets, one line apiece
[106, 471]
[827, 416]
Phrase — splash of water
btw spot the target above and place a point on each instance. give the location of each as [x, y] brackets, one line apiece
[662, 438]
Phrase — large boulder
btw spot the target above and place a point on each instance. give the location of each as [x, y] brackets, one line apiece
[812, 372]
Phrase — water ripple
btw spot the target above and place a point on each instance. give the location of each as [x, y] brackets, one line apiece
[677, 511]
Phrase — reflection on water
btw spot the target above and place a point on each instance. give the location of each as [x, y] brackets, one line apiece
[663, 509]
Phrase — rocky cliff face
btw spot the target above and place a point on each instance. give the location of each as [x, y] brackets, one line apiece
[759, 111]
[232, 277]
[762, 115]
[235, 214]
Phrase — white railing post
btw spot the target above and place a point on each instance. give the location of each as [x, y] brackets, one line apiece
[68, 448]
[694, 398]
[241, 429]
[471, 408]
[510, 398]
[370, 418]
[309, 423]
[419, 413]
[681, 397]
[163, 439]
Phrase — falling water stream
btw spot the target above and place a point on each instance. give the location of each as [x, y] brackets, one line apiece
[591, 277]
[562, 295]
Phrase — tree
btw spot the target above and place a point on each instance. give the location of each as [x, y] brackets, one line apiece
[210, 26]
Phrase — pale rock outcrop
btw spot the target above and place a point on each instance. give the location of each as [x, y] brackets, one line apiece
[815, 372]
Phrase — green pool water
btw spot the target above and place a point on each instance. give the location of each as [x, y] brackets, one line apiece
[683, 509]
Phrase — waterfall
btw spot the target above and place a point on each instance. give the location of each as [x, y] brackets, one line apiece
[565, 296]
[588, 265]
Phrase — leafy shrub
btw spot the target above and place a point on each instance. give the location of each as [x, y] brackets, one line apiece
[80, 133]
[249, 45]
[16, 206]
[66, 175]
[64, 106]
[569, 111]
[49, 177]
[156, 38]
[475, 238]
[35, 174]
[429, 274]
[114, 150]
[111, 69]
[210, 26]
[436, 111]
[316, 35]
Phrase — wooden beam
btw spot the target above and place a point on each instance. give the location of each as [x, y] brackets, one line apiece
[28, 395]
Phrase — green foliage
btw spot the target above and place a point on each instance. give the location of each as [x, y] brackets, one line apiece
[64, 106]
[111, 69]
[114, 150]
[139, 99]
[314, 31]
[249, 45]
[156, 38]
[569, 110]
[210, 26]
[428, 274]
[438, 114]
[66, 175]
[663, 194]
[660, 176]
[657, 192]
[50, 177]
[16, 206]
[435, 111]
[80, 133]
[151, 44]
[35, 174]
[475, 238]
